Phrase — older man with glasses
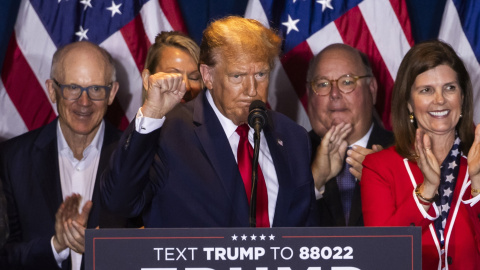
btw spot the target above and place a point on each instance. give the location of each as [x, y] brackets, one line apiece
[50, 174]
[341, 98]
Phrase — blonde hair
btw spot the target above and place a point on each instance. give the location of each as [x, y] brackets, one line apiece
[174, 39]
[235, 37]
[169, 39]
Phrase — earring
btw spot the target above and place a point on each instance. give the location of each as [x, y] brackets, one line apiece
[461, 115]
[411, 117]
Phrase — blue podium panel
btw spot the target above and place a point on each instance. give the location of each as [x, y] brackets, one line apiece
[349, 248]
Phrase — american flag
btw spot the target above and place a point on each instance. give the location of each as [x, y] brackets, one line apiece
[379, 28]
[461, 29]
[126, 28]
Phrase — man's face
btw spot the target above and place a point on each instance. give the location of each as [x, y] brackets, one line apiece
[337, 107]
[82, 116]
[235, 83]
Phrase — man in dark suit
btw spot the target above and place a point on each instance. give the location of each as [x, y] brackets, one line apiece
[183, 172]
[341, 97]
[41, 169]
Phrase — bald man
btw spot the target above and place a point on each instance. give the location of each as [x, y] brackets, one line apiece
[341, 97]
[50, 174]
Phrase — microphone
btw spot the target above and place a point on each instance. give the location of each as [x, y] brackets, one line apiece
[257, 117]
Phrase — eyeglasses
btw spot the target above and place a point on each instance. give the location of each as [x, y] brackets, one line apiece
[74, 92]
[345, 84]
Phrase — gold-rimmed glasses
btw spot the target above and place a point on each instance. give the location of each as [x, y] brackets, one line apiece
[346, 84]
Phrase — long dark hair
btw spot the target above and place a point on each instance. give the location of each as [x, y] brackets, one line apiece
[422, 57]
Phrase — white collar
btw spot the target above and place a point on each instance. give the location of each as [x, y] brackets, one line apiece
[95, 144]
[228, 126]
[364, 140]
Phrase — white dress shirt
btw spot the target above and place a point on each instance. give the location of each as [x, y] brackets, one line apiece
[146, 125]
[77, 176]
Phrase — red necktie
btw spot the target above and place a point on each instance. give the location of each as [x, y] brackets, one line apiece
[244, 157]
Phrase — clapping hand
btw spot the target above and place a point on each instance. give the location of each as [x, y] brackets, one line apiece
[330, 154]
[428, 164]
[356, 156]
[70, 224]
[474, 162]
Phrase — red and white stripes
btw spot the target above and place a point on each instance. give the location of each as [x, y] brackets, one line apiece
[24, 102]
[381, 29]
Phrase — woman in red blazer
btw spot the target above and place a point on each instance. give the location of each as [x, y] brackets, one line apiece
[425, 179]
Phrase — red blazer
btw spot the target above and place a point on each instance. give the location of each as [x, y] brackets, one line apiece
[388, 199]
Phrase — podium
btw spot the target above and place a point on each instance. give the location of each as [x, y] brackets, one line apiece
[346, 248]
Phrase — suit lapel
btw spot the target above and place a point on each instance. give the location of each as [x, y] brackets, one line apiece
[356, 217]
[110, 139]
[334, 203]
[46, 167]
[378, 136]
[279, 155]
[48, 172]
[218, 151]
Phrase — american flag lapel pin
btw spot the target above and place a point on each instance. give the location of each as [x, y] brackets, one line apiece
[280, 142]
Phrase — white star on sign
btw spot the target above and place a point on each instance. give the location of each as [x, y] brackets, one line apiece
[452, 165]
[262, 237]
[253, 237]
[325, 4]
[234, 237]
[447, 192]
[291, 24]
[86, 3]
[244, 237]
[272, 237]
[115, 8]
[445, 207]
[450, 178]
[82, 33]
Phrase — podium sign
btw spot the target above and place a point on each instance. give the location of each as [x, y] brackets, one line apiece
[349, 248]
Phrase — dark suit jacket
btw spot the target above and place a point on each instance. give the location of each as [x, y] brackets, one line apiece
[330, 205]
[185, 174]
[3, 218]
[30, 173]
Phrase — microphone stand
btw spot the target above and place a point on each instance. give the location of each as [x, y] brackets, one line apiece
[253, 198]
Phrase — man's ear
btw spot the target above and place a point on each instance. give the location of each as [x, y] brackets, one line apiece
[113, 92]
[51, 90]
[373, 86]
[145, 75]
[207, 75]
[308, 88]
